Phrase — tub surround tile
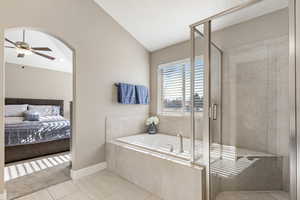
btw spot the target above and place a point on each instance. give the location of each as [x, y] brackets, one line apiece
[181, 182]
[167, 179]
[232, 173]
[120, 126]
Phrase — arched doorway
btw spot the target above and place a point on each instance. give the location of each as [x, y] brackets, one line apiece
[39, 76]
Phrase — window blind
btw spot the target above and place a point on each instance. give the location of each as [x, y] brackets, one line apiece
[176, 87]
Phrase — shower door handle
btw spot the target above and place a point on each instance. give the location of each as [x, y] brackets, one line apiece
[214, 111]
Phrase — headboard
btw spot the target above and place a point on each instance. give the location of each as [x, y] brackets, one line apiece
[53, 102]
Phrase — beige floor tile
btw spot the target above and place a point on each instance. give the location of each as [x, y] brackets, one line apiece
[152, 197]
[100, 186]
[76, 196]
[108, 186]
[63, 189]
[130, 192]
[93, 189]
[40, 195]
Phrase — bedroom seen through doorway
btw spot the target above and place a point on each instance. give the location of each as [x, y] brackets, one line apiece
[38, 111]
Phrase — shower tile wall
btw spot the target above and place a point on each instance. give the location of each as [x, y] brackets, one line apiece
[124, 125]
[173, 125]
[255, 100]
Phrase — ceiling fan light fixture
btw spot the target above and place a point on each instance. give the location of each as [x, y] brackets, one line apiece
[24, 51]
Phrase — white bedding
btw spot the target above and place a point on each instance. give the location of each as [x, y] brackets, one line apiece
[19, 120]
[14, 120]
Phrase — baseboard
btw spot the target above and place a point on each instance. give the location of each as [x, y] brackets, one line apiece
[76, 174]
[3, 196]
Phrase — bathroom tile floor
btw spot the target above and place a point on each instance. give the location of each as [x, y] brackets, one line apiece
[253, 195]
[103, 185]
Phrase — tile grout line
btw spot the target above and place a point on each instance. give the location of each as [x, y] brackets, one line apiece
[51, 196]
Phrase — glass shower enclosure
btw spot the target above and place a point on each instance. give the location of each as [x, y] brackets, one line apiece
[242, 133]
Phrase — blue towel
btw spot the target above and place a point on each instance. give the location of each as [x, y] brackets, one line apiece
[142, 94]
[126, 93]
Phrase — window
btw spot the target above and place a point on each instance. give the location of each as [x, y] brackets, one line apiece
[175, 87]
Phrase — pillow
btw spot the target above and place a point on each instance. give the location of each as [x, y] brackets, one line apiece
[31, 116]
[14, 120]
[45, 110]
[15, 110]
[55, 110]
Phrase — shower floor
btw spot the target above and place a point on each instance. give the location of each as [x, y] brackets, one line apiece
[253, 195]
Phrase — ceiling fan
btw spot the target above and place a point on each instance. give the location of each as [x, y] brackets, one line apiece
[23, 48]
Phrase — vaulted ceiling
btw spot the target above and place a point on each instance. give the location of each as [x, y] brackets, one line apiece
[160, 23]
[62, 54]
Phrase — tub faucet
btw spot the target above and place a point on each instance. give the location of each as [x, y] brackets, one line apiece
[180, 137]
[171, 147]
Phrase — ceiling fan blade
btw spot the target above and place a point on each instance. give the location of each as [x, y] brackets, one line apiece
[21, 55]
[9, 47]
[41, 49]
[43, 55]
[7, 40]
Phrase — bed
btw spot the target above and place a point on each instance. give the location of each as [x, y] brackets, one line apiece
[25, 139]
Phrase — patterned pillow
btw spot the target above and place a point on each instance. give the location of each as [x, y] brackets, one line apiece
[45, 110]
[55, 110]
[15, 110]
[31, 116]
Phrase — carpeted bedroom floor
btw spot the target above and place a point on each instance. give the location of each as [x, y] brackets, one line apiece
[28, 176]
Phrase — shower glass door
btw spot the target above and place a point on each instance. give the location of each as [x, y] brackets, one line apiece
[244, 124]
[201, 98]
[197, 92]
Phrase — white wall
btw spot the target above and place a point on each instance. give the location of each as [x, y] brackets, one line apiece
[38, 83]
[105, 54]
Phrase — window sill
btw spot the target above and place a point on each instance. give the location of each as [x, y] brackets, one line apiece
[185, 115]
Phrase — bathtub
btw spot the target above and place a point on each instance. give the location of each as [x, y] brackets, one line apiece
[161, 143]
[147, 161]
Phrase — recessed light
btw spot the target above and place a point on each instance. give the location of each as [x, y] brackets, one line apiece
[61, 59]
